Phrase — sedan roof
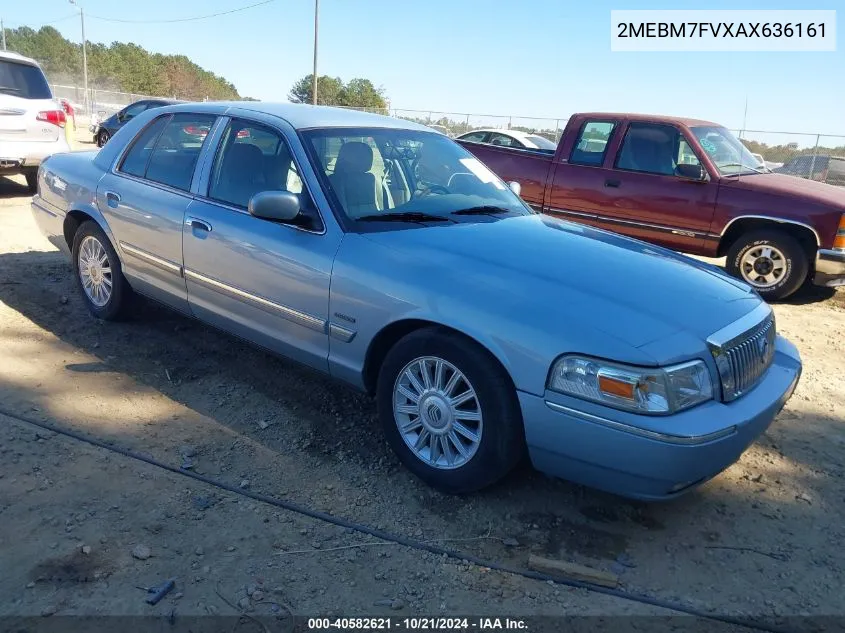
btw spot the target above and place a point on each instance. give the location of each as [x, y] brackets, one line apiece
[302, 116]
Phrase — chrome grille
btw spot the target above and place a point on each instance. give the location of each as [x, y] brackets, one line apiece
[744, 359]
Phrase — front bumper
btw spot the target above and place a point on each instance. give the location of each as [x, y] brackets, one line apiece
[830, 268]
[636, 456]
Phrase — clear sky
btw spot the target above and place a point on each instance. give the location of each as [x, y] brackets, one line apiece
[545, 58]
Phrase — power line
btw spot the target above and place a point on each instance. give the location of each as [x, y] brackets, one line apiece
[67, 17]
[192, 19]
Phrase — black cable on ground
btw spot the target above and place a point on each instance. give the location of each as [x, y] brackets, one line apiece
[401, 540]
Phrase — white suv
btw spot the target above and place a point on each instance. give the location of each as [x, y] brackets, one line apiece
[31, 121]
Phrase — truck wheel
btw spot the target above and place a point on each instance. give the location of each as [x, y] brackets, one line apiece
[99, 274]
[31, 176]
[772, 261]
[449, 411]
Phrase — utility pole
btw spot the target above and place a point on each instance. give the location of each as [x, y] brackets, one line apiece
[84, 56]
[3, 28]
[316, 31]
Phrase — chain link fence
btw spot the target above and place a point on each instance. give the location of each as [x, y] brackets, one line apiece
[814, 156]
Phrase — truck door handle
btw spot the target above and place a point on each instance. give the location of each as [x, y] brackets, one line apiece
[196, 223]
[112, 199]
[612, 183]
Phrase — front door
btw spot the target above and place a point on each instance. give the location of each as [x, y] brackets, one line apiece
[265, 281]
[643, 196]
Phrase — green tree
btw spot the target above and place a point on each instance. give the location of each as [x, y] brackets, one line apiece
[361, 93]
[358, 93]
[119, 66]
[329, 90]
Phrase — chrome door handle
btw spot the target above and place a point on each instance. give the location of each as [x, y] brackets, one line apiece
[196, 223]
[112, 199]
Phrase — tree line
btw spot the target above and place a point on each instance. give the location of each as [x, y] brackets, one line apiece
[118, 66]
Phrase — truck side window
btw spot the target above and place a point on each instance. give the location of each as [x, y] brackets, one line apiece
[651, 148]
[592, 143]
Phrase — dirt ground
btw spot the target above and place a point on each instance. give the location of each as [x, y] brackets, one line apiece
[763, 539]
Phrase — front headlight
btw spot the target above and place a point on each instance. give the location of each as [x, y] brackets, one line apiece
[641, 390]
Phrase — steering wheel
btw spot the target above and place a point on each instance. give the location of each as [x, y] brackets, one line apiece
[436, 189]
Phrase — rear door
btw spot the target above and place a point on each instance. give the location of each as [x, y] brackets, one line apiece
[24, 93]
[577, 191]
[144, 200]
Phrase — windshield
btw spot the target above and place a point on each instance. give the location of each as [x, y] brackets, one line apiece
[541, 142]
[730, 156]
[23, 80]
[376, 172]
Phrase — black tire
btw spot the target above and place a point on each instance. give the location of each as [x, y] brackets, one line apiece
[795, 258]
[502, 441]
[121, 293]
[31, 176]
[102, 137]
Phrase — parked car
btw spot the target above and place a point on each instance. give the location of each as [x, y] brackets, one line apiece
[761, 162]
[827, 169]
[385, 255]
[104, 130]
[688, 185]
[31, 121]
[509, 138]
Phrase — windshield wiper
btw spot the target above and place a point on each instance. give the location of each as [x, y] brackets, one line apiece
[404, 216]
[9, 89]
[482, 210]
[742, 166]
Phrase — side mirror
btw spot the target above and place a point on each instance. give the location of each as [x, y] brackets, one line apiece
[691, 172]
[515, 187]
[280, 206]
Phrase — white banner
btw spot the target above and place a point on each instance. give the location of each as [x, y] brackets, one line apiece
[741, 31]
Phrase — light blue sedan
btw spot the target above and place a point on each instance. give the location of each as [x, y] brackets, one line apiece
[383, 254]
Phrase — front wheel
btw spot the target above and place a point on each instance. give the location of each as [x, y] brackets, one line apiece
[102, 138]
[99, 274]
[449, 411]
[771, 261]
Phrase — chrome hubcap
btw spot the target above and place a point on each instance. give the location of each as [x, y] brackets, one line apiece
[437, 412]
[95, 271]
[763, 266]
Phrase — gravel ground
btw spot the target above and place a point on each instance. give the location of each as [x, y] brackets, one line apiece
[760, 540]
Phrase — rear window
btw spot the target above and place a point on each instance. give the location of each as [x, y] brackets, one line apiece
[23, 80]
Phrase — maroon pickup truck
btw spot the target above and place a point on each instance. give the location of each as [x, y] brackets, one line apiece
[687, 185]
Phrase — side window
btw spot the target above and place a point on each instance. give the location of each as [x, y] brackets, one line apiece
[504, 141]
[252, 158]
[685, 154]
[134, 110]
[175, 155]
[592, 143]
[650, 148]
[135, 161]
[475, 137]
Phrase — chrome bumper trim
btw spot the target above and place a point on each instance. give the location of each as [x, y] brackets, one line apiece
[633, 430]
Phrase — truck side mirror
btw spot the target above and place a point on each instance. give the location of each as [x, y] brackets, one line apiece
[691, 172]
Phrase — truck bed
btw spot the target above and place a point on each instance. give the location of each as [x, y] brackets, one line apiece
[529, 167]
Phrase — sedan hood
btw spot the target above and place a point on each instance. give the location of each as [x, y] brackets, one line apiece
[570, 273]
[783, 184]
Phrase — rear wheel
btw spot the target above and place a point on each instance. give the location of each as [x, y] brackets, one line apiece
[102, 137]
[99, 274]
[449, 411]
[772, 261]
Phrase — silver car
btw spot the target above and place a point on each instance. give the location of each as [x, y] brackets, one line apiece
[31, 122]
[384, 254]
